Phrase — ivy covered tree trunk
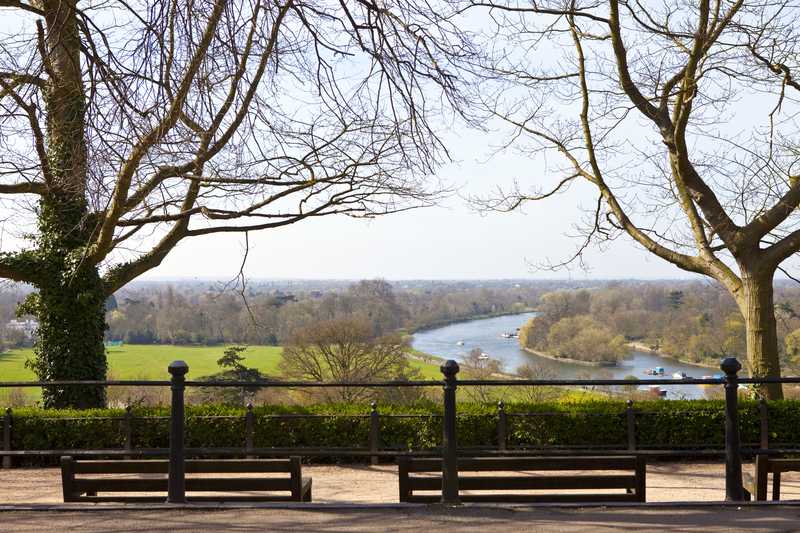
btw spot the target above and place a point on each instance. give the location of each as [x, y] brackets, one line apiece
[70, 297]
[70, 306]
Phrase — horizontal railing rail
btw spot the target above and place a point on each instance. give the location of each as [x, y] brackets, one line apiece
[449, 450]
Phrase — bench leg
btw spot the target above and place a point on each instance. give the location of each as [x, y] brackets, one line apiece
[67, 478]
[402, 474]
[761, 477]
[776, 485]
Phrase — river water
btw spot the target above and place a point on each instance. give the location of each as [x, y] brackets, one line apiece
[486, 334]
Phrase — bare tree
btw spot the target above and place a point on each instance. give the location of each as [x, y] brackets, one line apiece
[479, 366]
[680, 115]
[128, 127]
[538, 371]
[343, 349]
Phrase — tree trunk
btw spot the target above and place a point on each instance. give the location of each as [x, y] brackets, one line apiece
[71, 295]
[70, 306]
[762, 340]
[71, 312]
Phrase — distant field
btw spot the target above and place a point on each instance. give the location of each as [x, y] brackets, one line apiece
[12, 365]
[132, 361]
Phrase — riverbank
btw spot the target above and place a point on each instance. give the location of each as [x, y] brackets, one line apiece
[445, 323]
[642, 347]
[571, 361]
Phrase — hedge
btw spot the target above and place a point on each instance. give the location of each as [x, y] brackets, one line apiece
[563, 423]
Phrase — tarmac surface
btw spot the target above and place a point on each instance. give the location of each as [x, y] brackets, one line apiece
[468, 519]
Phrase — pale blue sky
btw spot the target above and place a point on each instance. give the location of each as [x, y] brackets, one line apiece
[448, 242]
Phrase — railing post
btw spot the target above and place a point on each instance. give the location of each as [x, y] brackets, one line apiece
[373, 431]
[449, 437]
[127, 425]
[733, 445]
[501, 426]
[248, 429]
[176, 485]
[630, 415]
[764, 425]
[7, 438]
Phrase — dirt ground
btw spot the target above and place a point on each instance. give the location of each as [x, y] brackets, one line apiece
[364, 484]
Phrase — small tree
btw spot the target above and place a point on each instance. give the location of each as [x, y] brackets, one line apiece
[479, 366]
[538, 371]
[344, 350]
[631, 387]
[234, 370]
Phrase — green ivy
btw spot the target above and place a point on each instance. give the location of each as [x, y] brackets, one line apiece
[69, 304]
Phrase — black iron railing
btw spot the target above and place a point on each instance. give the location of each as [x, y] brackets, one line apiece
[449, 450]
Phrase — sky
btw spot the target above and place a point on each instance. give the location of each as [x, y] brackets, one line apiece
[450, 241]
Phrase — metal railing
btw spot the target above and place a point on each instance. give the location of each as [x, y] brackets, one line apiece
[449, 450]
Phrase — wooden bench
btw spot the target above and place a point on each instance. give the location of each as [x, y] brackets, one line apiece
[83, 480]
[765, 465]
[631, 482]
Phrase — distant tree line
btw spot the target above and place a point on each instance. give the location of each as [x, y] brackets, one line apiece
[696, 322]
[175, 314]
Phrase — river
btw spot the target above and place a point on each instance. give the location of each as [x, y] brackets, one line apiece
[486, 334]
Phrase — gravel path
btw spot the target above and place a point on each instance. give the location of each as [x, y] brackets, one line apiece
[364, 484]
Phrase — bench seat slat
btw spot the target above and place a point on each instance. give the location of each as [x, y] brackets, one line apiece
[193, 466]
[120, 485]
[784, 465]
[529, 498]
[513, 464]
[529, 482]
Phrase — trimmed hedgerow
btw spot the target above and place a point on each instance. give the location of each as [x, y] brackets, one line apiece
[562, 423]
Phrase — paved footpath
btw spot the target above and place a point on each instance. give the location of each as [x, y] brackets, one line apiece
[416, 519]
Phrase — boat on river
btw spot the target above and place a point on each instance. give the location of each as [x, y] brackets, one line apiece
[655, 389]
[715, 376]
[680, 375]
[655, 371]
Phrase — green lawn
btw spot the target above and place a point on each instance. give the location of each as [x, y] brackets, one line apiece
[130, 361]
[149, 361]
[12, 365]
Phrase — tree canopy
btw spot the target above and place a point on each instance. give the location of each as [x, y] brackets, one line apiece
[129, 127]
[682, 118]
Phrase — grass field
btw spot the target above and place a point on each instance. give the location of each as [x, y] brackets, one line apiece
[134, 361]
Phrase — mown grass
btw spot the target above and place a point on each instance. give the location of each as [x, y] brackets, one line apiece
[12, 365]
[132, 361]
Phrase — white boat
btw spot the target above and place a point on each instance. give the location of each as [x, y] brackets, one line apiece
[484, 355]
[681, 375]
[460, 343]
